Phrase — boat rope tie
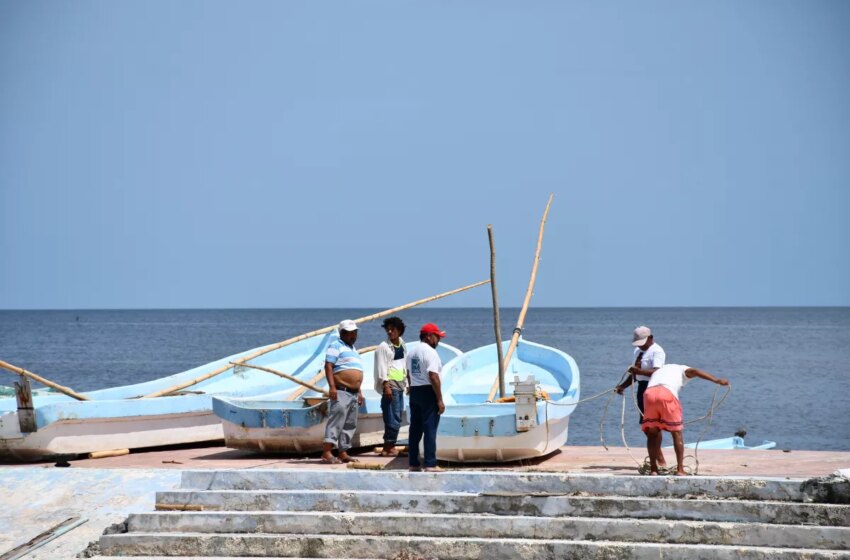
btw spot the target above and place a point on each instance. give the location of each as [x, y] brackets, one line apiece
[518, 330]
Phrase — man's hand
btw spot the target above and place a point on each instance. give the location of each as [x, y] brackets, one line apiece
[388, 391]
[441, 408]
[634, 370]
[332, 393]
[360, 399]
[618, 390]
[723, 381]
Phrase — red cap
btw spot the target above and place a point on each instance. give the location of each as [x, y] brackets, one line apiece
[431, 328]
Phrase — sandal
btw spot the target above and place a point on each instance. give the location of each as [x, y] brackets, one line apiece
[331, 461]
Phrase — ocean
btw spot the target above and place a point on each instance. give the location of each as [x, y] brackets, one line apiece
[788, 366]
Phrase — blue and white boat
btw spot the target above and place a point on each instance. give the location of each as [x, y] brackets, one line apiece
[473, 430]
[118, 418]
[277, 423]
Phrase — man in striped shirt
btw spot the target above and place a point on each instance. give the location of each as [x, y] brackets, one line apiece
[344, 372]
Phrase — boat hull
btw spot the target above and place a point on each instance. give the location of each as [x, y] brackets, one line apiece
[67, 438]
[301, 440]
[540, 441]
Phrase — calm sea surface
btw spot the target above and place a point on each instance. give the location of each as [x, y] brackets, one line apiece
[788, 366]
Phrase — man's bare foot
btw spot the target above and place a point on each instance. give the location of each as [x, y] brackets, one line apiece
[681, 472]
[653, 473]
[434, 469]
[346, 458]
[329, 459]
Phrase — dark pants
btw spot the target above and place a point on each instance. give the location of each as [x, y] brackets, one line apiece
[641, 389]
[424, 419]
[392, 410]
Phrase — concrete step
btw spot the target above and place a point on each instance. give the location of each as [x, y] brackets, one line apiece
[492, 526]
[497, 481]
[789, 513]
[324, 546]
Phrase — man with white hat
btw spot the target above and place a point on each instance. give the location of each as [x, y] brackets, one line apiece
[344, 372]
[648, 357]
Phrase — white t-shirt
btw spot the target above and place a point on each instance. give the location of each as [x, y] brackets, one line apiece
[420, 361]
[671, 376]
[654, 357]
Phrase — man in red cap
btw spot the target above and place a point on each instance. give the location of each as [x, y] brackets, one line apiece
[426, 397]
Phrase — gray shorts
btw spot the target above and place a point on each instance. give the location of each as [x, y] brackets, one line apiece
[342, 420]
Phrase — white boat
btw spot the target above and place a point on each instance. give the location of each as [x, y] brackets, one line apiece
[273, 423]
[118, 418]
[472, 430]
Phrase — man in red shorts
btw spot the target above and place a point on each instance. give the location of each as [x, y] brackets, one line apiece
[663, 411]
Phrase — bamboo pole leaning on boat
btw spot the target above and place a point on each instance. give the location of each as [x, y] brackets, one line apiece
[521, 319]
[319, 376]
[43, 381]
[284, 375]
[497, 324]
[304, 384]
[299, 338]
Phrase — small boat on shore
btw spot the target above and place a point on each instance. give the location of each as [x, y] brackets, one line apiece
[735, 442]
[123, 418]
[293, 421]
[535, 424]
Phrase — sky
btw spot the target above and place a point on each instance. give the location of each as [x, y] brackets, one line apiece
[159, 154]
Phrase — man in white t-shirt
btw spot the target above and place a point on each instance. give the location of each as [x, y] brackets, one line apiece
[663, 411]
[648, 356]
[426, 397]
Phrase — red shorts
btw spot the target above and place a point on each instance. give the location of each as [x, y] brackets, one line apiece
[661, 409]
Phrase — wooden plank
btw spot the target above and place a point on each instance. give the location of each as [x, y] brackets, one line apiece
[26, 413]
[43, 538]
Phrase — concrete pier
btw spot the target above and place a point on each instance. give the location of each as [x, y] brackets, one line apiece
[580, 503]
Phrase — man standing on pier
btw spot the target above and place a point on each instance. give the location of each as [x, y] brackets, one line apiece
[390, 381]
[344, 372]
[426, 397]
[648, 357]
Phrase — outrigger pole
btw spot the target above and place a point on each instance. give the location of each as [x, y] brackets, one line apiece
[521, 319]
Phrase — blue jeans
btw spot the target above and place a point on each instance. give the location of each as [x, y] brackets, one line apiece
[392, 410]
[424, 420]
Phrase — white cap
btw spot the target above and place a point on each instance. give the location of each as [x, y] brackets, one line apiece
[640, 336]
[347, 325]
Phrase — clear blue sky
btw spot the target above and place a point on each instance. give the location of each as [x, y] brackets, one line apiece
[329, 154]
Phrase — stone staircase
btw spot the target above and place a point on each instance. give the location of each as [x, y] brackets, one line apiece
[479, 514]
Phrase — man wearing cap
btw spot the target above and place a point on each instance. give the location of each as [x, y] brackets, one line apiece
[648, 357]
[344, 372]
[426, 397]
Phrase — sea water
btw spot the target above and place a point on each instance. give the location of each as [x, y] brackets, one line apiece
[788, 366]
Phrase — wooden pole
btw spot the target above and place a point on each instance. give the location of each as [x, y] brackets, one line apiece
[271, 348]
[521, 319]
[285, 376]
[43, 381]
[497, 325]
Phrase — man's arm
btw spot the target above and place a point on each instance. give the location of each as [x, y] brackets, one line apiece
[329, 375]
[694, 372]
[381, 361]
[434, 377]
[634, 370]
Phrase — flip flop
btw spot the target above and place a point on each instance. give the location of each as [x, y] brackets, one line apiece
[331, 461]
[349, 460]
